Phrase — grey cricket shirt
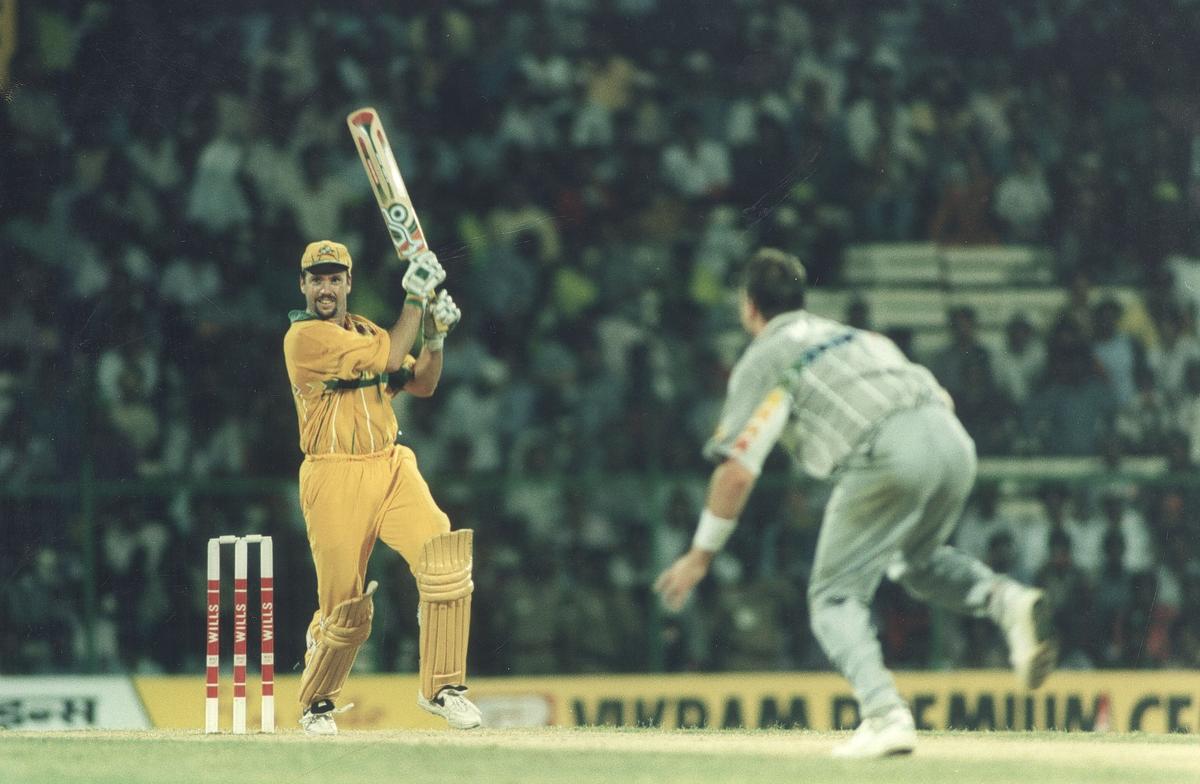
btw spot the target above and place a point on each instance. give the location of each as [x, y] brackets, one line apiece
[820, 388]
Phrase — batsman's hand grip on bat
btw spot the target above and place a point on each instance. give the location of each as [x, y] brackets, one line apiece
[441, 316]
[423, 275]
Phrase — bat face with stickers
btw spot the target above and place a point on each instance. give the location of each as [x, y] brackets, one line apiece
[386, 182]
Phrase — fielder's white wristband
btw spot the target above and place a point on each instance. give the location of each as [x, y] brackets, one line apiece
[435, 343]
[712, 532]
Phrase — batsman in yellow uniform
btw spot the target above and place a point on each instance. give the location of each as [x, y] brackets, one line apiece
[357, 485]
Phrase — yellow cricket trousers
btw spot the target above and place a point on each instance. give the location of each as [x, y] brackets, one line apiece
[349, 502]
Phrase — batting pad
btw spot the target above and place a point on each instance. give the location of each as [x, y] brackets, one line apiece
[444, 582]
[337, 639]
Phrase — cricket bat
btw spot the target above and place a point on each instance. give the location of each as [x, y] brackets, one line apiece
[386, 182]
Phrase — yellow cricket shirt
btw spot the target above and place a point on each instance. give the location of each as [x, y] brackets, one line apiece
[339, 384]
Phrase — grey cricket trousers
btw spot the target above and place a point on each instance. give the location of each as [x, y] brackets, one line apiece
[895, 506]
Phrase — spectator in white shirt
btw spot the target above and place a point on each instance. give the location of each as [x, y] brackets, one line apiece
[526, 124]
[879, 118]
[1143, 423]
[190, 281]
[1175, 349]
[981, 521]
[1116, 350]
[130, 352]
[1023, 200]
[696, 166]
[1117, 515]
[548, 73]
[217, 198]
[1186, 411]
[1022, 360]
[324, 193]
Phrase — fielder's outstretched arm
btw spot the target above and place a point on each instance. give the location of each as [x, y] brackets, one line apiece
[728, 489]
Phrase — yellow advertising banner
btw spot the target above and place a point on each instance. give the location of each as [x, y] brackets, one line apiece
[1095, 701]
[8, 38]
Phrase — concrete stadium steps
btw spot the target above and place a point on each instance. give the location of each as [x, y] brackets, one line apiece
[1020, 477]
[1014, 469]
[997, 266]
[924, 311]
[927, 264]
[911, 264]
[909, 284]
[890, 307]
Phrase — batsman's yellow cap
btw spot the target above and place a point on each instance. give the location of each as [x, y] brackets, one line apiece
[325, 252]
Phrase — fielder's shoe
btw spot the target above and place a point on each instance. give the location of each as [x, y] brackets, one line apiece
[452, 705]
[1025, 618]
[318, 719]
[888, 735]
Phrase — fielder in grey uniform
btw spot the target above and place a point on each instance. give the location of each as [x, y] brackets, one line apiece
[846, 402]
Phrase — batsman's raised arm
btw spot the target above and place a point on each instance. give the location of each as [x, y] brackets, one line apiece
[422, 277]
[441, 316]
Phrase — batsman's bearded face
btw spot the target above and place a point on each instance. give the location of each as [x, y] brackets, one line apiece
[325, 293]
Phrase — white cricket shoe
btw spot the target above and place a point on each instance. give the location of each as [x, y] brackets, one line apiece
[452, 705]
[882, 736]
[1028, 627]
[318, 718]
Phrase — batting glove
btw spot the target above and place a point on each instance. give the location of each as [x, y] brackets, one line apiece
[440, 317]
[423, 275]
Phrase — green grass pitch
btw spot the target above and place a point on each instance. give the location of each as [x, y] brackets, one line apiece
[584, 756]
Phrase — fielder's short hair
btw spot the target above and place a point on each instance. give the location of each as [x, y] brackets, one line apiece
[775, 282]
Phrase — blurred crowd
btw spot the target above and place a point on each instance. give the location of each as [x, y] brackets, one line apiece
[590, 172]
[1118, 563]
[1103, 378]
